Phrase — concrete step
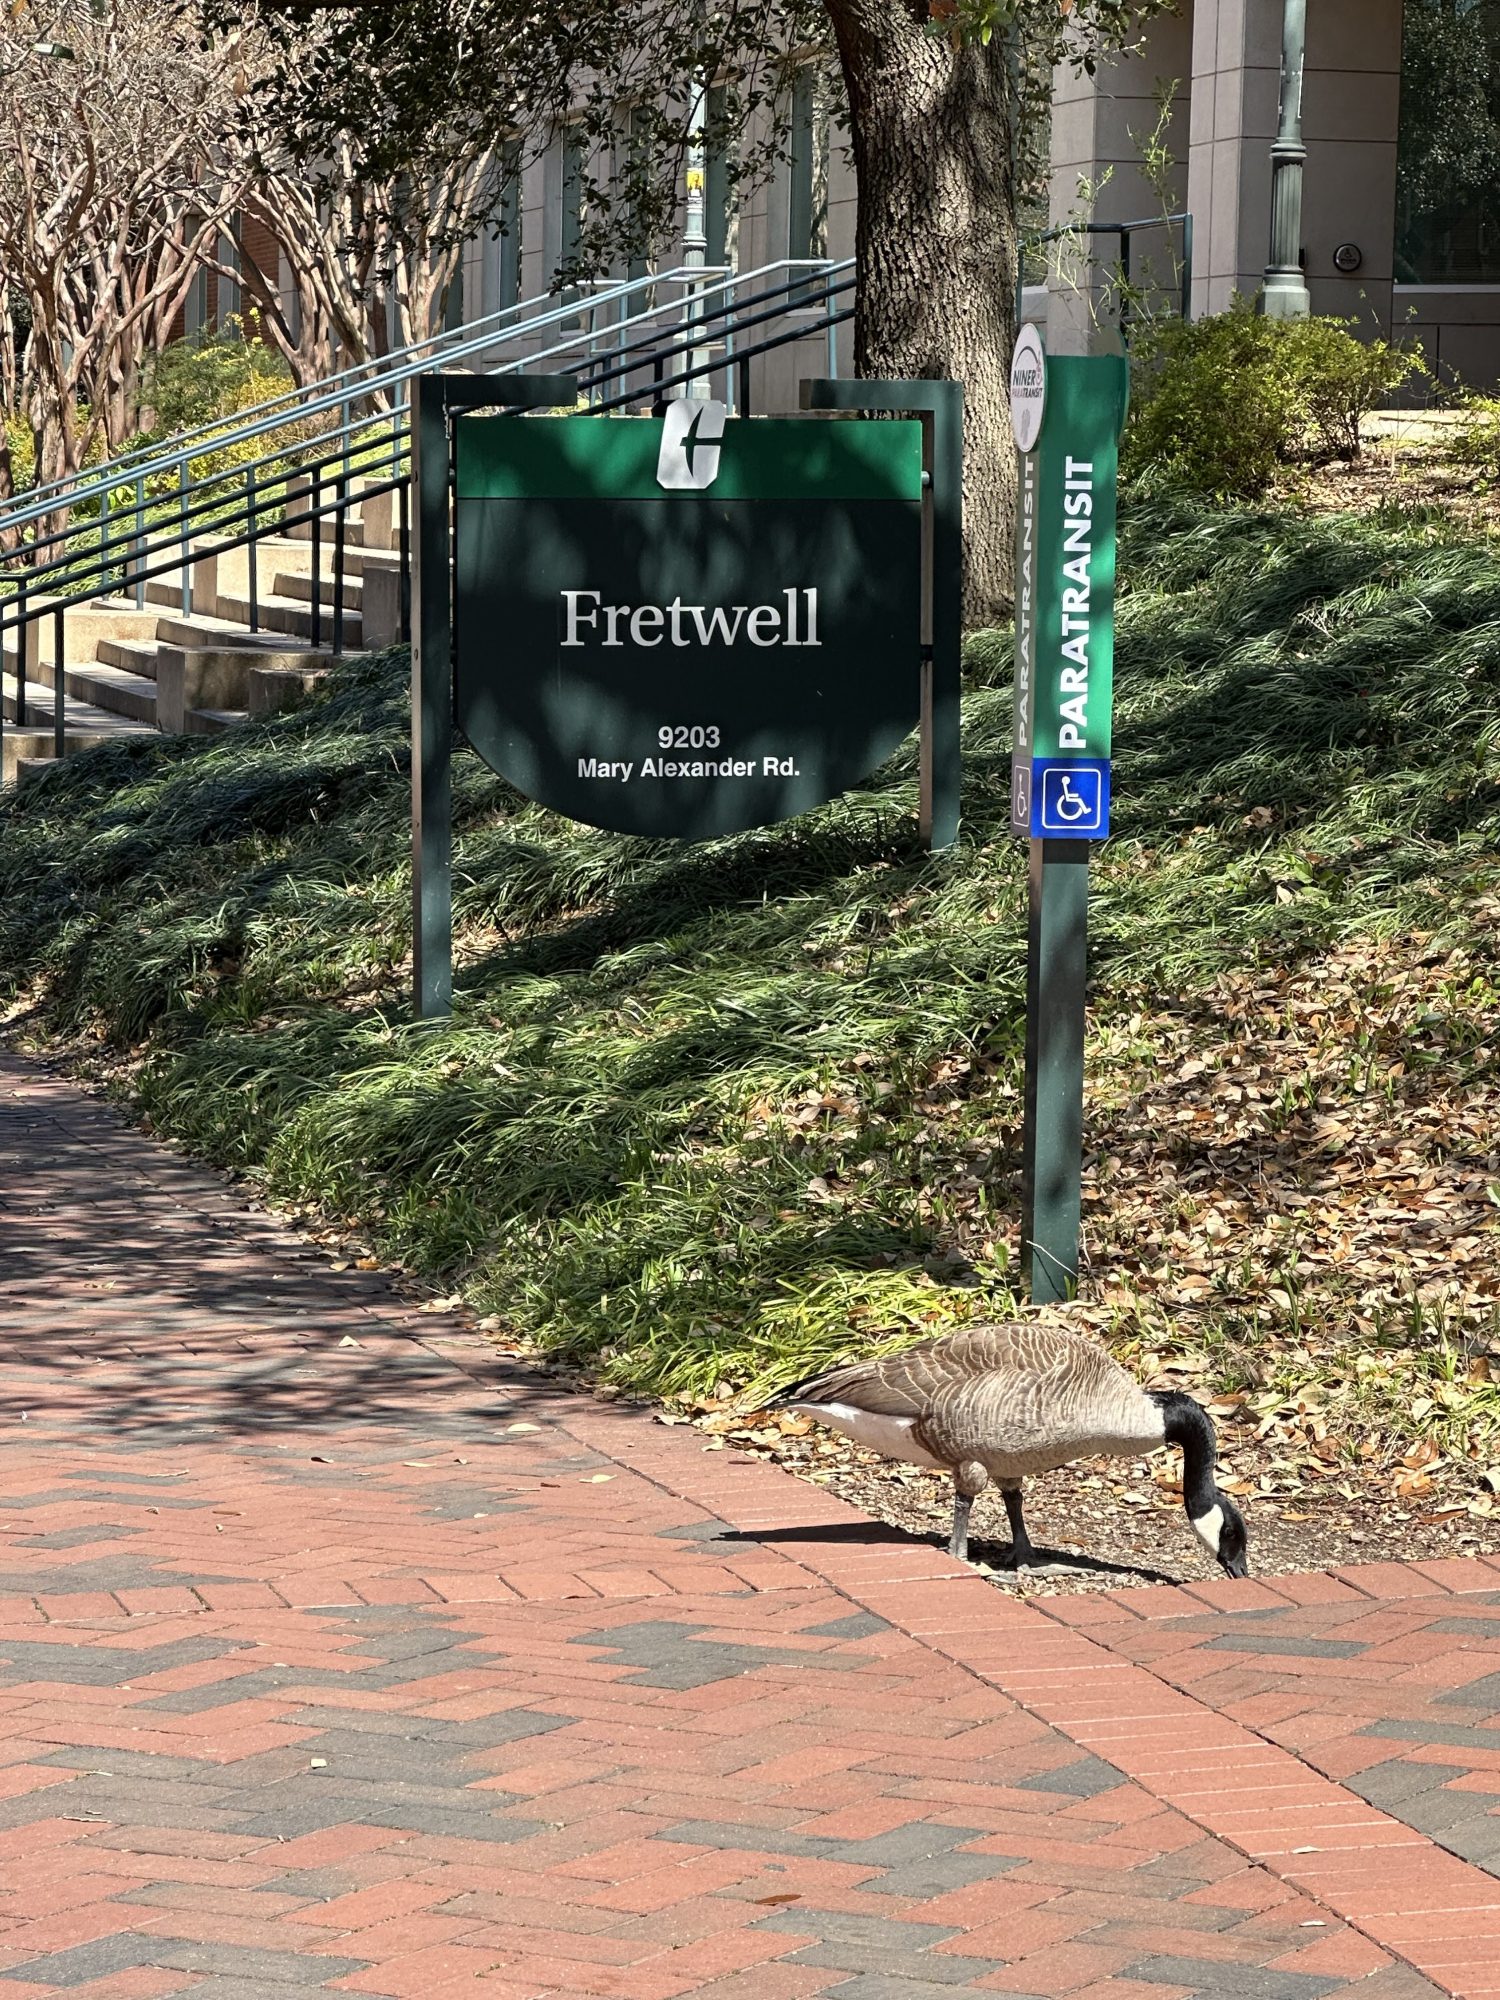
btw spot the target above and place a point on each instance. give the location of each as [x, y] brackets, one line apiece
[217, 679]
[116, 690]
[202, 633]
[286, 614]
[274, 689]
[84, 627]
[32, 748]
[35, 709]
[301, 531]
[213, 721]
[134, 656]
[300, 589]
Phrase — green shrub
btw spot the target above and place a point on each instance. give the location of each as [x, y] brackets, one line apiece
[193, 382]
[1474, 440]
[1213, 402]
[1341, 379]
[22, 452]
[208, 384]
[1220, 403]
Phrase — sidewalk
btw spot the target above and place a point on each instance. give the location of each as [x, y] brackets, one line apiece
[338, 1653]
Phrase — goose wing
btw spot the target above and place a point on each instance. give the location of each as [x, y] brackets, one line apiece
[1006, 1393]
[910, 1381]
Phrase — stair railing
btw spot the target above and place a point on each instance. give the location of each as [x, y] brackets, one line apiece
[362, 458]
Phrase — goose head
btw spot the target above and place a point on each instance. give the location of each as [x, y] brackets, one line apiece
[1213, 1516]
[1221, 1529]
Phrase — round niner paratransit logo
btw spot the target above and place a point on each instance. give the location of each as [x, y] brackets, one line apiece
[1028, 388]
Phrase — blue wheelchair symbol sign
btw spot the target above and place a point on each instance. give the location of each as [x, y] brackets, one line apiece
[1070, 801]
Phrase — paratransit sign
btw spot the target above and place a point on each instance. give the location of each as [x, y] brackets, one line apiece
[1065, 595]
[1068, 411]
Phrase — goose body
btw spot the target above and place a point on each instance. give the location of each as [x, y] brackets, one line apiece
[996, 1404]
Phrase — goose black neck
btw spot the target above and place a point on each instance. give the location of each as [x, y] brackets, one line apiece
[1186, 1423]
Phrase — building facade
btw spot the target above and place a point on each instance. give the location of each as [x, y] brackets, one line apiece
[1401, 190]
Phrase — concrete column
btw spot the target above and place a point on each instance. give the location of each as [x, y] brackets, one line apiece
[1350, 102]
[1099, 124]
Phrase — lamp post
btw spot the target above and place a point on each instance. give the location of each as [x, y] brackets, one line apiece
[695, 230]
[1285, 295]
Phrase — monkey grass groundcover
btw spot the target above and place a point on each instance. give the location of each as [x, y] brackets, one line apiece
[716, 1115]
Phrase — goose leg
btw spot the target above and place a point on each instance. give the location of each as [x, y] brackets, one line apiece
[1022, 1553]
[969, 1480]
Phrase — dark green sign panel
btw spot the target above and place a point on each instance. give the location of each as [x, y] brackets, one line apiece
[686, 626]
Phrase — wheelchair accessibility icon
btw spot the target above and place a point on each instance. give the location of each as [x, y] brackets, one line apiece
[1073, 801]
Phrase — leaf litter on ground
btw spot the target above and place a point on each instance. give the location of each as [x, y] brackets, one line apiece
[708, 1118]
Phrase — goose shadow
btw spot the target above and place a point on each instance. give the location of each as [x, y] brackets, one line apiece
[878, 1534]
[1055, 1562]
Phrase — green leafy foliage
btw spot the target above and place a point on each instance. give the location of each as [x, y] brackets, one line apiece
[1474, 440]
[724, 1112]
[193, 382]
[1220, 403]
[1340, 379]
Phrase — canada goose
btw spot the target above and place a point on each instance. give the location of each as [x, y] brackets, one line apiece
[999, 1402]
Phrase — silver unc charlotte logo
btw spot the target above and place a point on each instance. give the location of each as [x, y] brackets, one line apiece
[1028, 388]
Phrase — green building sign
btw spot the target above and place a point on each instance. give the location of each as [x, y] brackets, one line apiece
[680, 625]
[687, 625]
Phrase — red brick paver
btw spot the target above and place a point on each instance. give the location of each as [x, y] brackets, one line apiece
[338, 1653]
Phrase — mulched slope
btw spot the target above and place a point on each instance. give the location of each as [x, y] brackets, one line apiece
[710, 1117]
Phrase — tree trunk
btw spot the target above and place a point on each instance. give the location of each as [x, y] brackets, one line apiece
[936, 246]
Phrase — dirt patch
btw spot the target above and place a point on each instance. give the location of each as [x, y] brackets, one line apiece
[1399, 473]
[1123, 1528]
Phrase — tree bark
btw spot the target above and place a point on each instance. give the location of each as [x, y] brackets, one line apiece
[930, 126]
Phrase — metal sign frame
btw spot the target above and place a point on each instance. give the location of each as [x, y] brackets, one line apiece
[940, 405]
[437, 400]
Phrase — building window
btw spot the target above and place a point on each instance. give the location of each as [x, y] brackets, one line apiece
[228, 302]
[807, 166]
[571, 227]
[1448, 153]
[195, 306]
[638, 146]
[720, 221]
[507, 246]
[570, 233]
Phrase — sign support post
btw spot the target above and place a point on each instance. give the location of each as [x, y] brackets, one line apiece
[1052, 1156]
[1067, 412]
[941, 408]
[434, 399]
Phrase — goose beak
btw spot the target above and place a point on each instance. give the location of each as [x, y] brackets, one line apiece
[1235, 1566]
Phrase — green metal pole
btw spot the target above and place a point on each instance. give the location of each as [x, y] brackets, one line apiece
[1286, 295]
[941, 406]
[431, 708]
[434, 402]
[1056, 970]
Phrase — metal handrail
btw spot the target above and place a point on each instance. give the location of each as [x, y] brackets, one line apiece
[698, 282]
[166, 547]
[360, 378]
[196, 500]
[1124, 230]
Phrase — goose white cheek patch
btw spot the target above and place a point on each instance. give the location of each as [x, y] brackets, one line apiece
[1209, 1527]
[890, 1436]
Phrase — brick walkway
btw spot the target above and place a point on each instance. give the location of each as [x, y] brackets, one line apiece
[337, 1653]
